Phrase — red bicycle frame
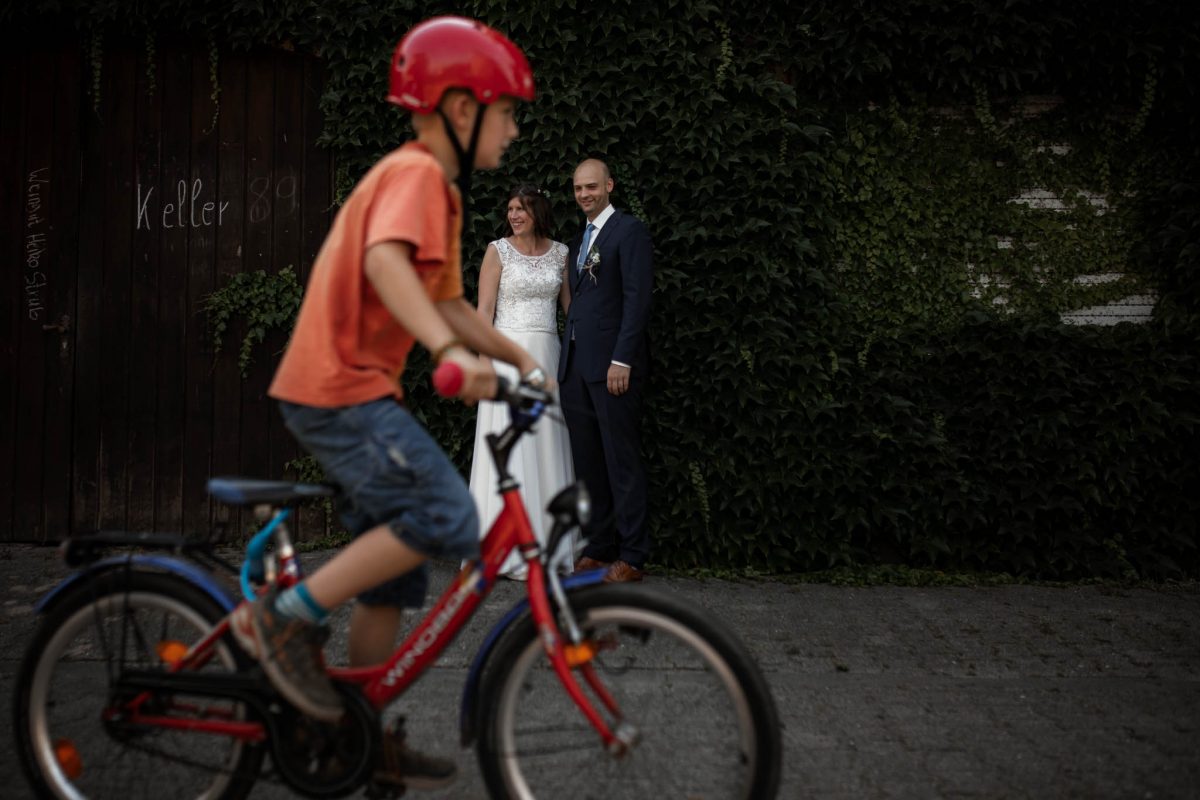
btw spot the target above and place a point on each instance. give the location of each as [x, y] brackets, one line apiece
[383, 683]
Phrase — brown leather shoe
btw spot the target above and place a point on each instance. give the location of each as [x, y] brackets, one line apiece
[623, 572]
[587, 563]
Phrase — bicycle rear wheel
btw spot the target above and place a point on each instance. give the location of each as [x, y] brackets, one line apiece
[71, 742]
[708, 726]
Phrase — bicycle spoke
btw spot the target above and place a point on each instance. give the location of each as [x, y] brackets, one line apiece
[699, 733]
[70, 703]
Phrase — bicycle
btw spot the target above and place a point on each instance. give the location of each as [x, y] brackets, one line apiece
[132, 681]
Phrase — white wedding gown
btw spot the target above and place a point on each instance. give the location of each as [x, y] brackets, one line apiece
[526, 312]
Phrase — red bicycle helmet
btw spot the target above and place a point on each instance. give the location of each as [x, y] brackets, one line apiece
[454, 52]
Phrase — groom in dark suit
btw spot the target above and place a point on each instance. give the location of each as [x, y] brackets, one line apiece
[602, 373]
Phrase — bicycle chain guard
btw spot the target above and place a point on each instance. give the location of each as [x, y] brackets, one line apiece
[321, 759]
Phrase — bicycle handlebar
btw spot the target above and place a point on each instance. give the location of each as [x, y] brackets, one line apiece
[448, 379]
[448, 382]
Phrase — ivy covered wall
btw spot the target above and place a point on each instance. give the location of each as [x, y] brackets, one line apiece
[858, 349]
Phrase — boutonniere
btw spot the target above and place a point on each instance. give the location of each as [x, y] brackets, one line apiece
[592, 263]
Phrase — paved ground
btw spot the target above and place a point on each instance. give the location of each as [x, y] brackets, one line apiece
[1086, 692]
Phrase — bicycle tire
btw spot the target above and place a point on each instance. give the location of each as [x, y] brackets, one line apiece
[708, 724]
[68, 750]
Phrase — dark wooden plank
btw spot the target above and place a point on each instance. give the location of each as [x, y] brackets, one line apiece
[172, 285]
[203, 210]
[113, 331]
[148, 185]
[288, 170]
[15, 315]
[39, 181]
[258, 252]
[287, 192]
[227, 379]
[317, 195]
[316, 215]
[85, 500]
[60, 352]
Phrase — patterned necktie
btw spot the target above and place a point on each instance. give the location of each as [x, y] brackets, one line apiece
[583, 248]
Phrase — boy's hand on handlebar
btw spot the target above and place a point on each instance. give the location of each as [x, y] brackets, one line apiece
[470, 378]
[533, 375]
[538, 379]
[478, 377]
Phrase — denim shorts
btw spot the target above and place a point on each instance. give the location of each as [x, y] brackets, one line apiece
[390, 472]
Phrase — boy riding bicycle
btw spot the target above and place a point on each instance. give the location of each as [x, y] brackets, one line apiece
[388, 275]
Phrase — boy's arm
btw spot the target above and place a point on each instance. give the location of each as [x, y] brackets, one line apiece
[388, 266]
[482, 337]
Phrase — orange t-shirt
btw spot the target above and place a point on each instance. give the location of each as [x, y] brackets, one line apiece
[346, 347]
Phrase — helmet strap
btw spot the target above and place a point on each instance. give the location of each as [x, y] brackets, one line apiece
[466, 157]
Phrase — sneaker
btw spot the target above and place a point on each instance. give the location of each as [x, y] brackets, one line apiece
[400, 765]
[290, 654]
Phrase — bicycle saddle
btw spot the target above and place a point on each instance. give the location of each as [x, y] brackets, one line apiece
[252, 492]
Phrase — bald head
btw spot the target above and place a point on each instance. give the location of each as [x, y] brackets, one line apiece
[593, 183]
[595, 163]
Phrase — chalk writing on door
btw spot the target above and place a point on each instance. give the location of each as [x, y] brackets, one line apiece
[190, 205]
[36, 232]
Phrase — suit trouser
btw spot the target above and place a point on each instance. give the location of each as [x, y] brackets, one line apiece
[606, 449]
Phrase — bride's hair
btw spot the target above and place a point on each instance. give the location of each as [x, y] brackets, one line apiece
[535, 203]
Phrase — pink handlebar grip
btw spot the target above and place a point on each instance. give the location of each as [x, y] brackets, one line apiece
[448, 379]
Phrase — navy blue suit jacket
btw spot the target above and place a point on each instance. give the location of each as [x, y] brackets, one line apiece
[609, 316]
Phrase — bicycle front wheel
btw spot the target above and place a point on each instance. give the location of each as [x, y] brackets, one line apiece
[73, 740]
[706, 724]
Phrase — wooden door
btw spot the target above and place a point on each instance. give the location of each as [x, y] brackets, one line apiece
[126, 203]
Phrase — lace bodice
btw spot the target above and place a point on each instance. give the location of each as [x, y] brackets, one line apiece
[528, 296]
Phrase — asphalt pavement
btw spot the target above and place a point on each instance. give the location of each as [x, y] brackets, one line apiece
[999, 692]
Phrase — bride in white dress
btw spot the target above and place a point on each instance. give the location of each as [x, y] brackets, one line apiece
[520, 289]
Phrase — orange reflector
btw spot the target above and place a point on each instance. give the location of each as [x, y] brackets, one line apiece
[68, 758]
[578, 654]
[171, 652]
